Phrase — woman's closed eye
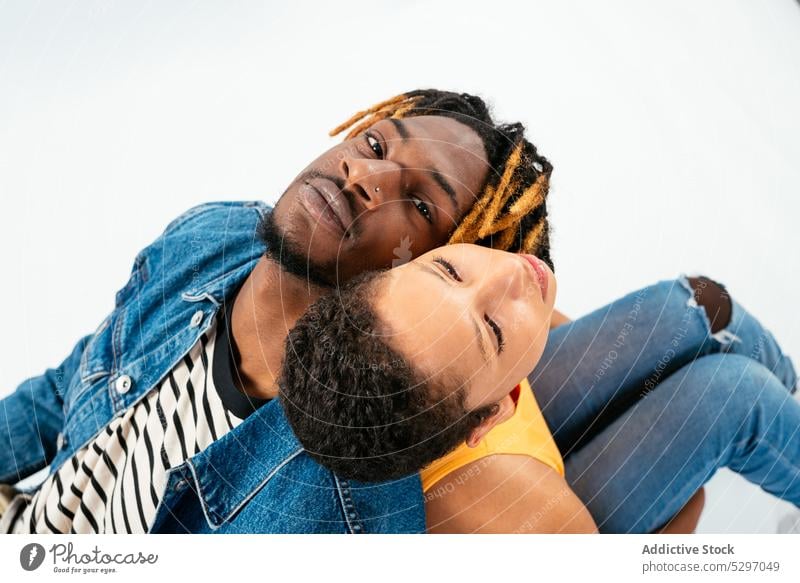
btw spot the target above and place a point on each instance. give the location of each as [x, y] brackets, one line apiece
[498, 332]
[448, 267]
[491, 323]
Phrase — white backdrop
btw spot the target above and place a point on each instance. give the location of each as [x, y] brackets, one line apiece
[673, 127]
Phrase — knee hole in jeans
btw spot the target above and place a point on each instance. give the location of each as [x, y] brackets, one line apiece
[715, 299]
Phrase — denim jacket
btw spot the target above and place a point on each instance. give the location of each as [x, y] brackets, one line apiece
[255, 478]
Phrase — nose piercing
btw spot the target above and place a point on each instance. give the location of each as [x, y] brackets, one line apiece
[377, 189]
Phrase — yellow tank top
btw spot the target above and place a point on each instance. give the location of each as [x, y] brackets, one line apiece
[525, 433]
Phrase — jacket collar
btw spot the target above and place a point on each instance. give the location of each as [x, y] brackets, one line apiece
[232, 470]
[238, 256]
[222, 286]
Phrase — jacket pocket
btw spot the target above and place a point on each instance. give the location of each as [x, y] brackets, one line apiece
[97, 361]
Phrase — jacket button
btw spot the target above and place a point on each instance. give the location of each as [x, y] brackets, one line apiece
[60, 441]
[197, 317]
[123, 384]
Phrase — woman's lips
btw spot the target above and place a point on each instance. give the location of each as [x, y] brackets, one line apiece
[540, 273]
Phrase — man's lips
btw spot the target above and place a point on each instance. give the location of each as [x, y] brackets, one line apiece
[326, 203]
[539, 273]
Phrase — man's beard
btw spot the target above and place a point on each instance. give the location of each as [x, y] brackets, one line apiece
[288, 254]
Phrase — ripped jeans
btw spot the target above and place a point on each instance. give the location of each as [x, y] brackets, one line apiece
[645, 404]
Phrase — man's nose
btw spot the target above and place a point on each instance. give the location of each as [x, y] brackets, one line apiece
[373, 181]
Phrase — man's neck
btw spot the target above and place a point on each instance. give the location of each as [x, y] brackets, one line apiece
[267, 306]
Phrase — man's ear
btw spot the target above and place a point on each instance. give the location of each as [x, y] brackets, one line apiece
[505, 409]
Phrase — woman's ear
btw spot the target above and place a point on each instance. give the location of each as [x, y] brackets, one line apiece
[505, 409]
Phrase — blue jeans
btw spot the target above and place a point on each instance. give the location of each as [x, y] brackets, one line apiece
[645, 404]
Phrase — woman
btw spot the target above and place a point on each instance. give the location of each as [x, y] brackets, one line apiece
[402, 369]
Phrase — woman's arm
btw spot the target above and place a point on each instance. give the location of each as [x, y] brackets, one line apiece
[505, 493]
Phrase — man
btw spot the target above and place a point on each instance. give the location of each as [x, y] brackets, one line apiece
[164, 419]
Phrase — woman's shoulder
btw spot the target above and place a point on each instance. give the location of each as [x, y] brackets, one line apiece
[525, 433]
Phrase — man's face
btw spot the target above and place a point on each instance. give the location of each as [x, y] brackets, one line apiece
[383, 197]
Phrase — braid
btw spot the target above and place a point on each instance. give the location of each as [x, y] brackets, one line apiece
[511, 211]
[394, 107]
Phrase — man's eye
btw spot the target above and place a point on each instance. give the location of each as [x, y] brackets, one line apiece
[422, 207]
[375, 145]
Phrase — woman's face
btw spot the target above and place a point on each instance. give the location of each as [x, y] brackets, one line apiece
[471, 313]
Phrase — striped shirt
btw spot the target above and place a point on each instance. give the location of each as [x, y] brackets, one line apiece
[116, 481]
